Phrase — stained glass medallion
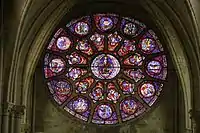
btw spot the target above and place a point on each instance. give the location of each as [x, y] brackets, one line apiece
[105, 66]
[105, 69]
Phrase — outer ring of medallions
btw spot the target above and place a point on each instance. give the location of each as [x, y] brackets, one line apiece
[96, 55]
[50, 58]
[154, 74]
[146, 82]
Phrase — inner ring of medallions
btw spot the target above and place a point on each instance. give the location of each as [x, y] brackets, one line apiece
[105, 66]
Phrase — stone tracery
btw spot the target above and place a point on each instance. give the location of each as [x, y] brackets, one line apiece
[104, 59]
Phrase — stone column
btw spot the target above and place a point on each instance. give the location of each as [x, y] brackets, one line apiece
[6, 109]
[18, 113]
[11, 121]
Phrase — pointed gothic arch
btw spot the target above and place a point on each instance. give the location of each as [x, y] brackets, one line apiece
[33, 33]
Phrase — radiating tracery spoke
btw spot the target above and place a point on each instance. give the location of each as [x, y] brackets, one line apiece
[105, 69]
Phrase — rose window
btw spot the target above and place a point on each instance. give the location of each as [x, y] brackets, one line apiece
[105, 69]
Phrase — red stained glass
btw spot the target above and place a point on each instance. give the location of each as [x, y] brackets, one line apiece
[136, 75]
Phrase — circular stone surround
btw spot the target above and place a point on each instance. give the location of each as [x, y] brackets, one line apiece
[105, 69]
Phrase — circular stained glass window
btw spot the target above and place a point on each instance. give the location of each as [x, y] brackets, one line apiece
[105, 69]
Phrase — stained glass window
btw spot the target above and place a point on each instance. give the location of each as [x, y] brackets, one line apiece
[105, 69]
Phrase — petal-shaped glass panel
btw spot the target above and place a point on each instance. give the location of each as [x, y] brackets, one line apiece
[135, 60]
[98, 41]
[113, 41]
[126, 86]
[127, 47]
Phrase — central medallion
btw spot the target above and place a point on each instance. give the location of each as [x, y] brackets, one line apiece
[105, 66]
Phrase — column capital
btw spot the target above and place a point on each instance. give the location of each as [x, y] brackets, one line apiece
[18, 110]
[6, 108]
